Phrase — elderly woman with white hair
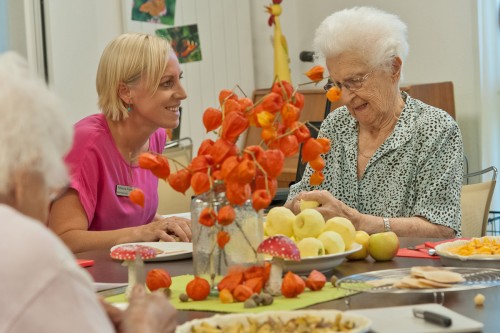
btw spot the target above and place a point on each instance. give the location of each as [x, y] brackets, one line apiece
[395, 162]
[41, 286]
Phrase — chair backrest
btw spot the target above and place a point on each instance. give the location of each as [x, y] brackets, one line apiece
[475, 203]
[169, 200]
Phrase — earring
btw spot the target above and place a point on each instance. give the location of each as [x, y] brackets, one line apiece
[129, 107]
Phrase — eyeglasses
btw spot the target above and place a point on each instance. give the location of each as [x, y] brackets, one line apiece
[353, 84]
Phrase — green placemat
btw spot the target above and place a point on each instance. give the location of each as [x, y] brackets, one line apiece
[212, 303]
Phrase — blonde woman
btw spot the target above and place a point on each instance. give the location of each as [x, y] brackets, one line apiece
[140, 94]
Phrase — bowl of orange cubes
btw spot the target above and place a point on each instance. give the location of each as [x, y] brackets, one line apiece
[476, 252]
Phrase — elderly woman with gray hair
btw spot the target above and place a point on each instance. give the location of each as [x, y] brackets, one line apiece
[395, 162]
[41, 286]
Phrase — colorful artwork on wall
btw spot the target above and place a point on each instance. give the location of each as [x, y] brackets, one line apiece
[154, 11]
[185, 42]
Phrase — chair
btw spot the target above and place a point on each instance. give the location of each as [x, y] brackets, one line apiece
[475, 202]
[169, 200]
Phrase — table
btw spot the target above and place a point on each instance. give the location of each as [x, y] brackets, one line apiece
[107, 270]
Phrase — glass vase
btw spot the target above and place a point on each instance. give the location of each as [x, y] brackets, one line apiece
[246, 233]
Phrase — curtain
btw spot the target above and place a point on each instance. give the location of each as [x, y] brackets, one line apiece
[489, 73]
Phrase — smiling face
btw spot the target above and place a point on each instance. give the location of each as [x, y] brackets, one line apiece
[160, 109]
[377, 98]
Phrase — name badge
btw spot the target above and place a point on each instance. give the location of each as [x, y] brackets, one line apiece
[123, 190]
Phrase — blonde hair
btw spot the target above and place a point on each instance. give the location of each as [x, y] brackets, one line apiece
[127, 59]
[34, 131]
[376, 36]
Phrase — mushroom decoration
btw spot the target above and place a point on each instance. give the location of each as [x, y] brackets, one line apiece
[281, 248]
[132, 256]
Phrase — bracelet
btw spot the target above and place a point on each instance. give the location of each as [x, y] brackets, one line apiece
[387, 224]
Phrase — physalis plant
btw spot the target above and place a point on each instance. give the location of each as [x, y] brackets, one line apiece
[251, 172]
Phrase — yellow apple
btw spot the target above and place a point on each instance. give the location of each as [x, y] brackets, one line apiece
[332, 241]
[308, 223]
[363, 239]
[305, 204]
[342, 226]
[310, 247]
[279, 221]
[383, 246]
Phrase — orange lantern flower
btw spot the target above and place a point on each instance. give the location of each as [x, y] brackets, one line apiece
[334, 94]
[315, 74]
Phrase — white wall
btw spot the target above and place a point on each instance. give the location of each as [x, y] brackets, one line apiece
[77, 32]
[443, 47]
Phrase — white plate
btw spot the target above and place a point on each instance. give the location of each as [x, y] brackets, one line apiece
[172, 250]
[320, 263]
[362, 323]
[475, 278]
[476, 260]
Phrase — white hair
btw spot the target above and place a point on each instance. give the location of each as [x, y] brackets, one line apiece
[375, 36]
[34, 131]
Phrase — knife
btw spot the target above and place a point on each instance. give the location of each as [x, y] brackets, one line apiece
[433, 317]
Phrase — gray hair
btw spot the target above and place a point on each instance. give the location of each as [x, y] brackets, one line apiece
[34, 131]
[376, 36]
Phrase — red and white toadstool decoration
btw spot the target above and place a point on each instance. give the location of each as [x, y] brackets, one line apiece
[132, 256]
[280, 248]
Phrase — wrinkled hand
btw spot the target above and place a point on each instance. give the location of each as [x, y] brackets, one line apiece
[164, 229]
[148, 313]
[329, 206]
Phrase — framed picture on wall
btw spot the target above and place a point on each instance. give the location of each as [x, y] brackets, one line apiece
[154, 11]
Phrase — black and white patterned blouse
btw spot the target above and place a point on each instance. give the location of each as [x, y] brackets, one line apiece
[417, 171]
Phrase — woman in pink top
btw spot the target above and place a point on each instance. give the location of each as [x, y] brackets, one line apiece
[139, 89]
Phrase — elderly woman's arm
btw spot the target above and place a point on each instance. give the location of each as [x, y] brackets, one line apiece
[403, 226]
[68, 219]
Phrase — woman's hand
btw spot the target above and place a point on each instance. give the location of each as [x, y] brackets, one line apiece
[166, 228]
[149, 313]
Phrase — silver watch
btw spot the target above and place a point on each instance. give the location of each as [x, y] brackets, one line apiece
[387, 224]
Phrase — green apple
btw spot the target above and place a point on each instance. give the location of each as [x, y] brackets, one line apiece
[363, 239]
[310, 247]
[342, 226]
[305, 204]
[308, 223]
[332, 241]
[383, 246]
[279, 221]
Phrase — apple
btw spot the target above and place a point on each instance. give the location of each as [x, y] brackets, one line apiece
[310, 247]
[279, 221]
[383, 246]
[308, 223]
[332, 241]
[342, 226]
[363, 239]
[306, 204]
